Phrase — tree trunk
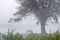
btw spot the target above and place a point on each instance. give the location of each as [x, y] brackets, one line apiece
[43, 31]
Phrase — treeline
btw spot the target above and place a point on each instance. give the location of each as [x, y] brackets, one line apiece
[32, 36]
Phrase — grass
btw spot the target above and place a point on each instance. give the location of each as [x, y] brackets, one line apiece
[18, 36]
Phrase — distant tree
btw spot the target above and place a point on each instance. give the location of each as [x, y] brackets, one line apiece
[42, 9]
[29, 31]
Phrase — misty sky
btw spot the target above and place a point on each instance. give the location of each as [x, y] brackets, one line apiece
[7, 8]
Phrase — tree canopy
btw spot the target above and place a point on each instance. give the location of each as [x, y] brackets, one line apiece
[43, 9]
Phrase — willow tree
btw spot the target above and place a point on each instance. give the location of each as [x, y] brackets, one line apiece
[42, 9]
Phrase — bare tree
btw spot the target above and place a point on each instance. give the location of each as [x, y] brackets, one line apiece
[42, 9]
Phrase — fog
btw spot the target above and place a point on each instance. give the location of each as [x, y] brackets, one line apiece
[8, 7]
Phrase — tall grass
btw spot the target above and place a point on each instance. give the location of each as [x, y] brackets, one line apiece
[18, 36]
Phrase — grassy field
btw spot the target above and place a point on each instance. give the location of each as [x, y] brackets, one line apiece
[32, 36]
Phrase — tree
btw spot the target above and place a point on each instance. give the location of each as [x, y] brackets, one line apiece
[42, 9]
[29, 31]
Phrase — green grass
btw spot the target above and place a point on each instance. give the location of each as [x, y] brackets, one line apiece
[18, 36]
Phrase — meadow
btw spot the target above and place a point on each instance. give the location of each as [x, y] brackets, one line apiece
[31, 36]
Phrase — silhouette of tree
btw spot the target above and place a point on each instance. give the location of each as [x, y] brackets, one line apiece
[29, 31]
[42, 9]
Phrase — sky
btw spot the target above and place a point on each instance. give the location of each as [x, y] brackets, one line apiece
[8, 7]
